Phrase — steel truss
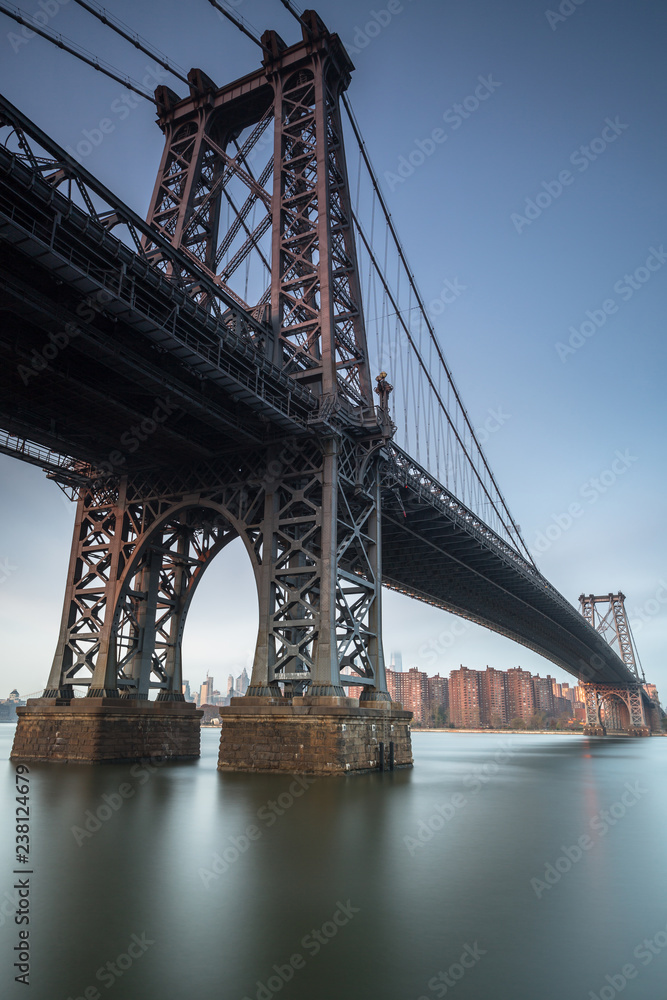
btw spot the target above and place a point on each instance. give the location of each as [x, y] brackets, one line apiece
[311, 530]
[607, 615]
[605, 703]
[307, 510]
[296, 357]
[302, 194]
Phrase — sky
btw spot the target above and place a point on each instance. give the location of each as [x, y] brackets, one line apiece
[544, 207]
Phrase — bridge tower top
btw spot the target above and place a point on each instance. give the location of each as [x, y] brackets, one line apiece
[606, 613]
[295, 221]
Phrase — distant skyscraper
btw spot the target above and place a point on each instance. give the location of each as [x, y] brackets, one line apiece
[396, 662]
[185, 690]
[206, 691]
[242, 682]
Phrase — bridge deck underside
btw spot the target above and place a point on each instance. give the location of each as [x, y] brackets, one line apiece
[92, 337]
[433, 556]
[146, 339]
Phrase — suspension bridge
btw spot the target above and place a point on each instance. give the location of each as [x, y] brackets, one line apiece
[222, 369]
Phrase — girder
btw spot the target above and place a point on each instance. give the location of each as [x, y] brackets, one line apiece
[140, 550]
[275, 440]
[436, 550]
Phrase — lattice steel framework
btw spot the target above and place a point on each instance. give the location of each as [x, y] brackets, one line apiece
[603, 707]
[303, 198]
[606, 614]
[309, 523]
[616, 707]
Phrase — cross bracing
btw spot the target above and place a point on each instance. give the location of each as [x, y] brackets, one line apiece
[163, 347]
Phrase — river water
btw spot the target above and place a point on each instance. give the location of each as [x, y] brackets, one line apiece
[522, 867]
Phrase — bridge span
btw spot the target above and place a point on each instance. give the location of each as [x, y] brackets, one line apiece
[180, 417]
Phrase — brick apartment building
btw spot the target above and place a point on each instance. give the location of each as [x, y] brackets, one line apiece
[410, 688]
[475, 698]
[520, 694]
[465, 697]
[438, 696]
[495, 699]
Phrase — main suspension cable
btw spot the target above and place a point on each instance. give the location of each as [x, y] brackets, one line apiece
[239, 23]
[413, 286]
[140, 43]
[77, 50]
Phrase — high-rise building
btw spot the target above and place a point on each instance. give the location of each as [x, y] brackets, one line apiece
[415, 694]
[394, 684]
[651, 691]
[520, 694]
[206, 691]
[563, 706]
[410, 688]
[465, 697]
[568, 692]
[495, 704]
[396, 662]
[185, 690]
[543, 694]
[438, 698]
[579, 711]
[242, 682]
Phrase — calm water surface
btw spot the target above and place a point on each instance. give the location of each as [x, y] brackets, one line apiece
[371, 887]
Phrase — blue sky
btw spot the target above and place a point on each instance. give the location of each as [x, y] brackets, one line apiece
[545, 258]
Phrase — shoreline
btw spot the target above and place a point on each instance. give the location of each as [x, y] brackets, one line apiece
[502, 732]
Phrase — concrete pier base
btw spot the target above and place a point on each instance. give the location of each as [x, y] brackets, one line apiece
[106, 730]
[318, 735]
[604, 731]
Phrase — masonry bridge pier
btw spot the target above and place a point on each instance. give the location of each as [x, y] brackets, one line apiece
[260, 419]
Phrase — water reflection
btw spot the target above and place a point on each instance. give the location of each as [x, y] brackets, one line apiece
[232, 876]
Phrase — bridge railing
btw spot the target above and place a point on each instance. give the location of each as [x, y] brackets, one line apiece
[100, 204]
[404, 467]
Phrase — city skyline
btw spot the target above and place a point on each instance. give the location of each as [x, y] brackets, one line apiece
[523, 292]
[491, 821]
[490, 698]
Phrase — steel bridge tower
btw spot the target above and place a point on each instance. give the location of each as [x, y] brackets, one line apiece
[620, 707]
[307, 507]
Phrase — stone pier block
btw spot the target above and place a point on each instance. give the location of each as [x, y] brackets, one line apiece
[311, 738]
[106, 730]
